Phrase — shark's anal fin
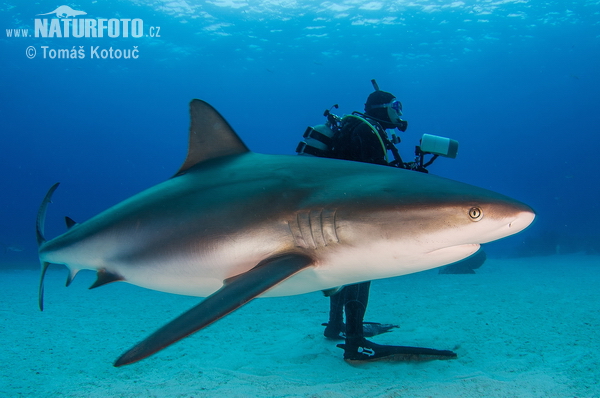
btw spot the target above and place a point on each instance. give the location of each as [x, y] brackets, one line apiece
[71, 276]
[210, 136]
[236, 292]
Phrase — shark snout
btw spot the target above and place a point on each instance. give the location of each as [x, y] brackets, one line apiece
[510, 223]
[522, 220]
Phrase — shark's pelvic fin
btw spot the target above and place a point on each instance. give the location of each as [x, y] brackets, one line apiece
[235, 292]
[104, 277]
[39, 232]
[210, 136]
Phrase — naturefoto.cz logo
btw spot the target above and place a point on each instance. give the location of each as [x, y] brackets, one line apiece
[67, 25]
[66, 22]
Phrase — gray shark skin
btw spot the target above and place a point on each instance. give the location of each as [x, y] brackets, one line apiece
[65, 12]
[232, 225]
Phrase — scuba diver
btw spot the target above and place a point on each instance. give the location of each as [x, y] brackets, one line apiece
[362, 137]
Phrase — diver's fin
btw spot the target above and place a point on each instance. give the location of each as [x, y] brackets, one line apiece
[235, 292]
[368, 351]
[70, 222]
[104, 277]
[39, 232]
[210, 136]
[370, 329]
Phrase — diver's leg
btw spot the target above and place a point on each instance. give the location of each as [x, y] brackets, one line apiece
[357, 299]
[357, 348]
[335, 327]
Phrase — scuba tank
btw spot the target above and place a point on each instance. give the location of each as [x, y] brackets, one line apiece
[318, 140]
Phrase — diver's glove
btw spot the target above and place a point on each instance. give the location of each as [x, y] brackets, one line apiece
[370, 329]
[365, 351]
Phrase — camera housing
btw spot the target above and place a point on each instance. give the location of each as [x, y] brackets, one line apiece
[441, 146]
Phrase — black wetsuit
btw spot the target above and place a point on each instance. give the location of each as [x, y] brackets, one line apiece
[356, 141]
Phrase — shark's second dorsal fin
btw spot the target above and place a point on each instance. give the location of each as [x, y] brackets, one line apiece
[70, 222]
[210, 136]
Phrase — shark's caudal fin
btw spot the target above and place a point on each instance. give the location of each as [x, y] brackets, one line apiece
[39, 231]
[235, 292]
[210, 136]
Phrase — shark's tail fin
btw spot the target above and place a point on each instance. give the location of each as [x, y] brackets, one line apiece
[39, 231]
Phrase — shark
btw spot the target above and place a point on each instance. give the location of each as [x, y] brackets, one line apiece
[232, 225]
[11, 248]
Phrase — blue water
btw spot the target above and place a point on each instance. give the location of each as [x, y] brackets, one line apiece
[515, 82]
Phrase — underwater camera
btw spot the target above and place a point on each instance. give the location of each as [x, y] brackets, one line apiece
[436, 146]
[441, 146]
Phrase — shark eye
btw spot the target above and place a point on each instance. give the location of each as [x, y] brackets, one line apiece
[475, 213]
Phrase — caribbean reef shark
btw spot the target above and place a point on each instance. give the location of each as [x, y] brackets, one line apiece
[232, 225]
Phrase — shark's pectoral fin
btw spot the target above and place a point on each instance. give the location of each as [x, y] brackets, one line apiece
[235, 292]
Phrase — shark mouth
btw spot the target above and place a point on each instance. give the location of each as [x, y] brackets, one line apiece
[451, 254]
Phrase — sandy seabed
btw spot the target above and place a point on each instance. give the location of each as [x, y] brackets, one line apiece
[527, 327]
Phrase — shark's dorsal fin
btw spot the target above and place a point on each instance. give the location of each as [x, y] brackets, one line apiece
[210, 136]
